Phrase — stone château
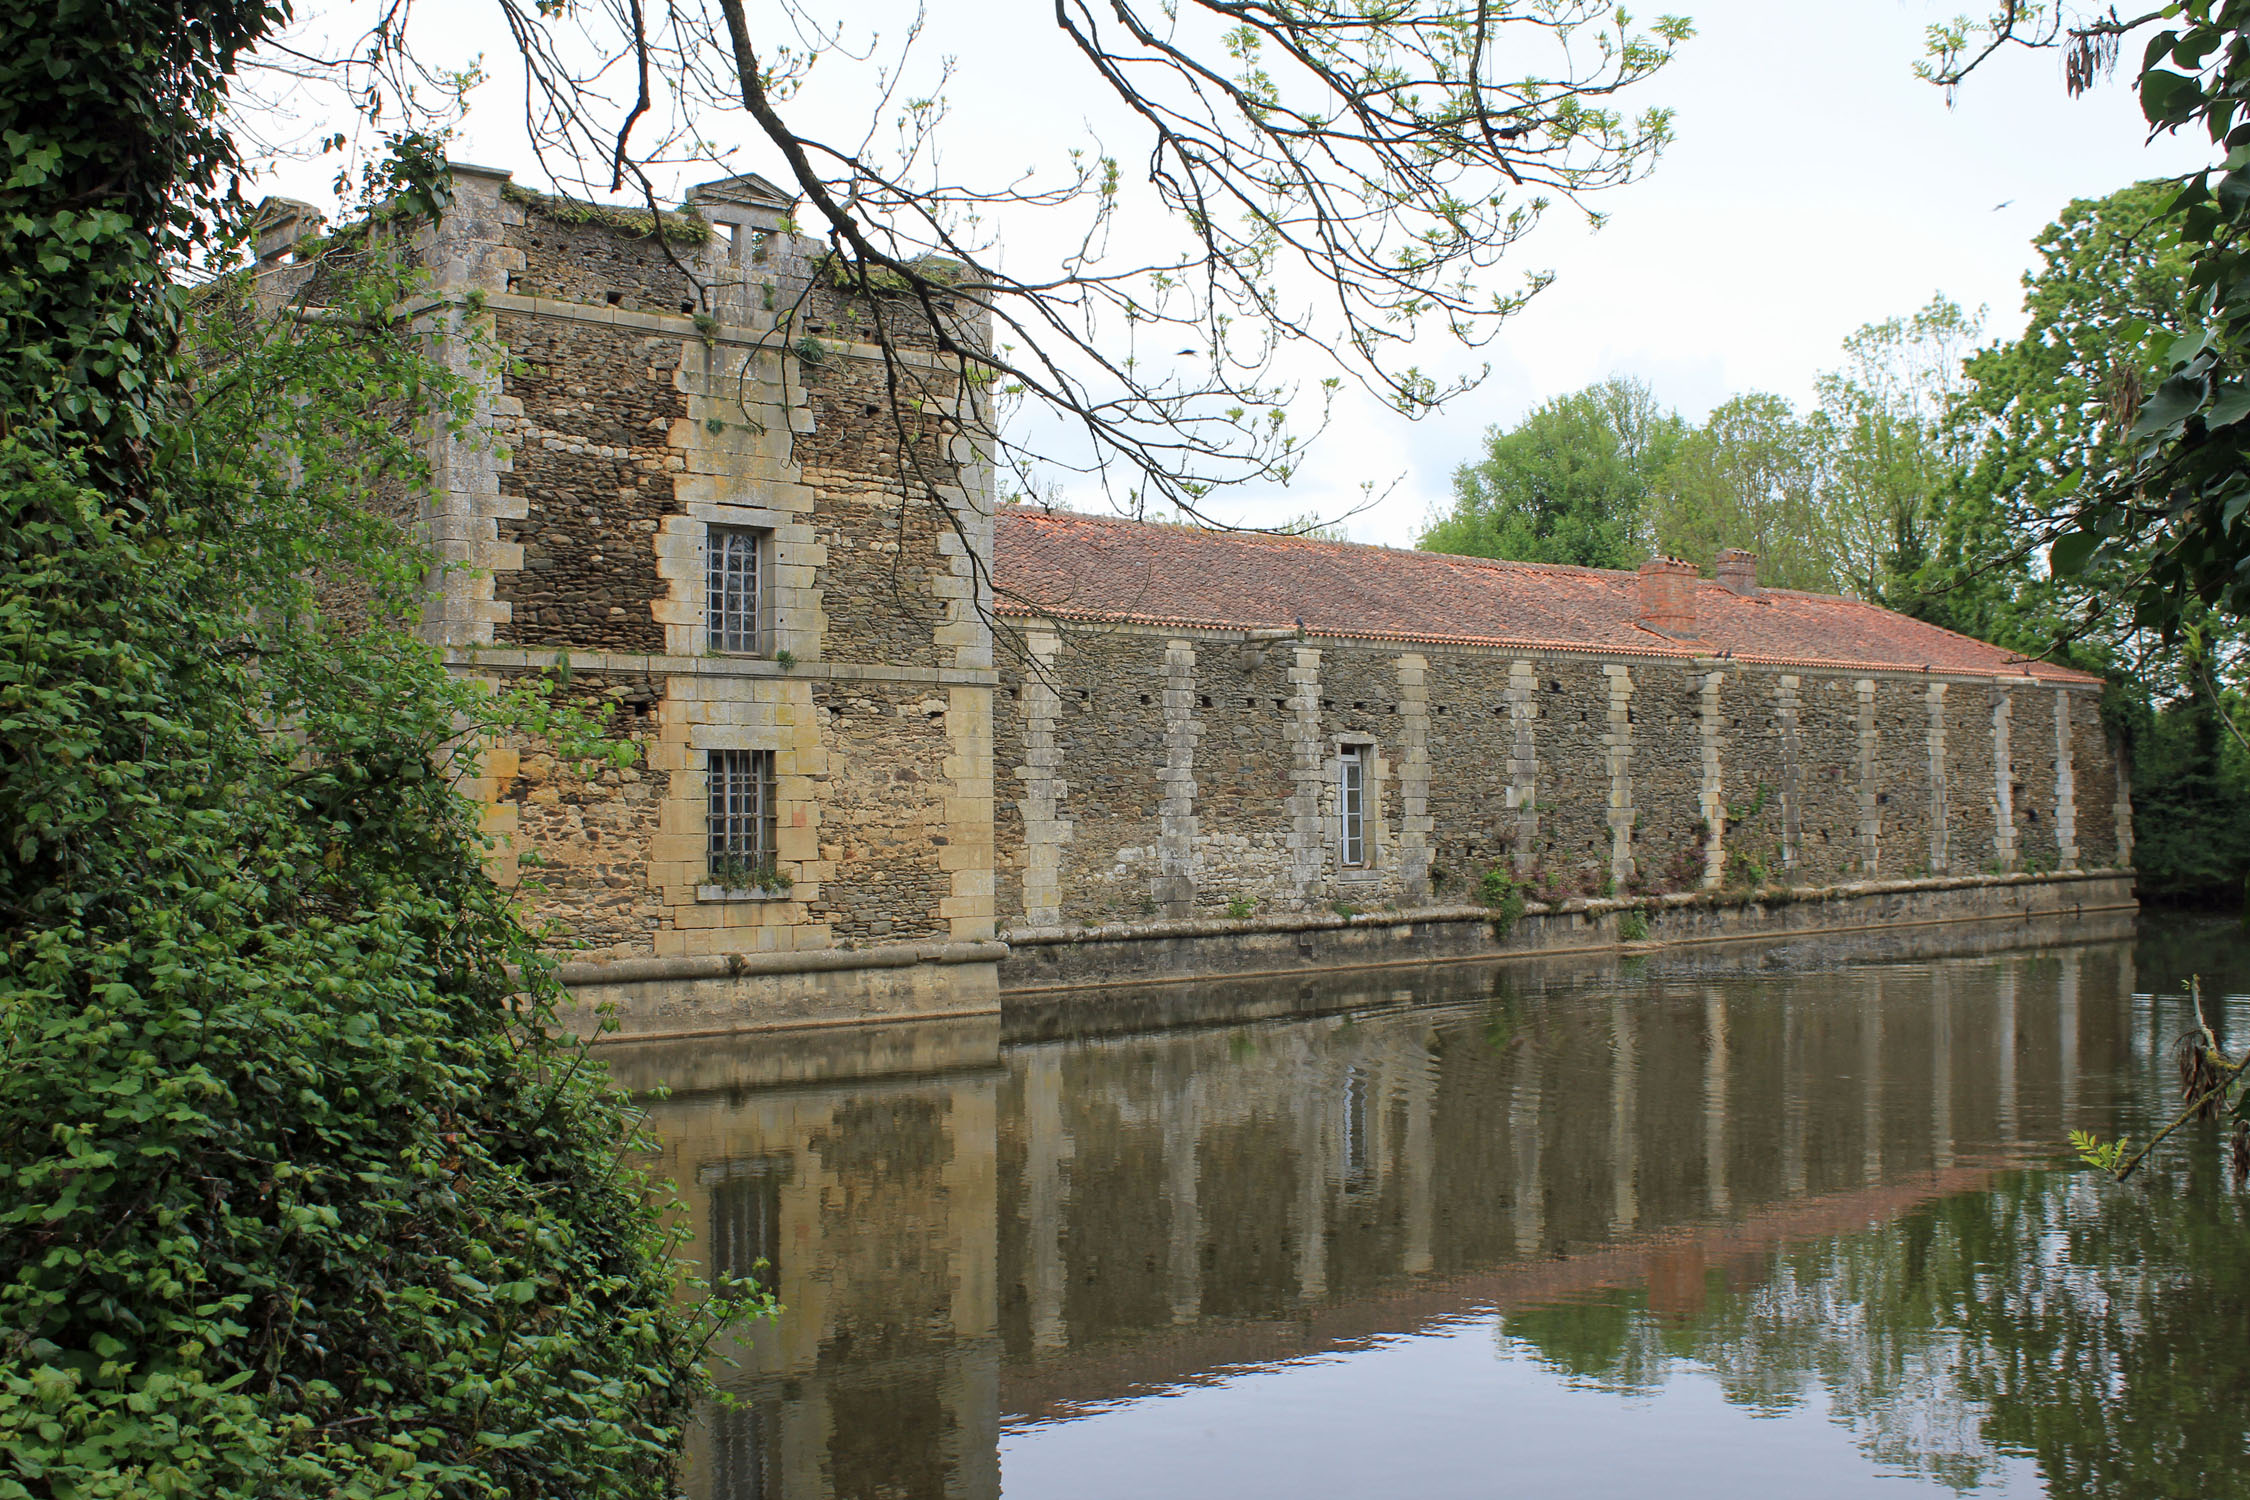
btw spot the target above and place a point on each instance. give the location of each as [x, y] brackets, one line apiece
[893, 750]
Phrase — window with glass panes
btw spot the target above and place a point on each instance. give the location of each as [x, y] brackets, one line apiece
[1351, 804]
[735, 602]
[742, 816]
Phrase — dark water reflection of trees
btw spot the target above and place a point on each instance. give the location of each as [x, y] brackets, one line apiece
[2099, 1332]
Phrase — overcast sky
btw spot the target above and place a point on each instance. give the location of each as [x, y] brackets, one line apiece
[1815, 185]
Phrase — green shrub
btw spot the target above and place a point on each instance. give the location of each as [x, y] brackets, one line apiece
[1632, 926]
[305, 1195]
[740, 874]
[1239, 908]
[1498, 889]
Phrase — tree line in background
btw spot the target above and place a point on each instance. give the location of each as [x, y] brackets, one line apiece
[1930, 474]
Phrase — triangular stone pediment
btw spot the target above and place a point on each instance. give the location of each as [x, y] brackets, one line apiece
[749, 189]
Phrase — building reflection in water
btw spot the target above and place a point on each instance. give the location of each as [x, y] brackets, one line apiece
[1005, 1234]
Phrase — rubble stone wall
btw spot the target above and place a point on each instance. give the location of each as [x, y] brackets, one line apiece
[1179, 775]
[591, 467]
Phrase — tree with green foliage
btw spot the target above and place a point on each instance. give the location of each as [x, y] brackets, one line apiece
[1836, 499]
[1570, 483]
[2165, 507]
[2042, 411]
[308, 1194]
[2036, 414]
[1751, 477]
[1890, 452]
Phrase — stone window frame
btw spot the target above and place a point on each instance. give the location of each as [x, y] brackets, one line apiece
[1359, 753]
[684, 562]
[761, 543]
[769, 815]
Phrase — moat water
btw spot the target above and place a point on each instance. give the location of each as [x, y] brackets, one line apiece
[1742, 1223]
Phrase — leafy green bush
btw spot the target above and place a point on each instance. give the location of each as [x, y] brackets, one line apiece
[1498, 889]
[305, 1195]
[305, 1198]
[1632, 926]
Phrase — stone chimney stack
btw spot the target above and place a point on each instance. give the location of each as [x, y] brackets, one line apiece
[1737, 572]
[1668, 596]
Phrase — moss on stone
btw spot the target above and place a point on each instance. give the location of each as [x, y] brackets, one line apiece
[686, 227]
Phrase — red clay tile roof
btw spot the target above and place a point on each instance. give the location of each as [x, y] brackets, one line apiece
[1093, 568]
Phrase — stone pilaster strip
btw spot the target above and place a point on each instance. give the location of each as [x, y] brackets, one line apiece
[1045, 828]
[1786, 703]
[1941, 836]
[1415, 822]
[1870, 810]
[468, 259]
[1617, 754]
[1308, 840]
[2003, 782]
[2066, 785]
[1522, 697]
[1711, 798]
[968, 856]
[1174, 885]
[964, 590]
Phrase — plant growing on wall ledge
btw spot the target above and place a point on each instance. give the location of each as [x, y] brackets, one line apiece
[738, 874]
[1498, 889]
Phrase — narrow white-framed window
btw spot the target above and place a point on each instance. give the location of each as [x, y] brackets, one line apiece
[742, 819]
[737, 586]
[1351, 805]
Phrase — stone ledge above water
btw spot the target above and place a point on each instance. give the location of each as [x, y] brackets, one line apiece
[718, 995]
[1165, 951]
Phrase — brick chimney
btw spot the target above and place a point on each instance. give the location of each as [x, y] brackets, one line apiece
[1668, 596]
[1737, 572]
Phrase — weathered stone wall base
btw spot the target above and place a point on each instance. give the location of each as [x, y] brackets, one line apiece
[1093, 1010]
[1161, 952]
[670, 999]
[786, 1056]
[663, 1005]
